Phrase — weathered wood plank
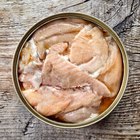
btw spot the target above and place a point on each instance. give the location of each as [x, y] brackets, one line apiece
[16, 17]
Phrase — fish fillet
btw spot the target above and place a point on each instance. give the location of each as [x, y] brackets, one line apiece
[59, 72]
[55, 29]
[48, 101]
[83, 98]
[89, 43]
[59, 48]
[114, 71]
[77, 115]
[68, 37]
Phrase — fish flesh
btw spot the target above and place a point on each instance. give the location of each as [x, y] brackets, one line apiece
[31, 75]
[49, 100]
[83, 98]
[77, 115]
[56, 29]
[59, 72]
[113, 68]
[60, 38]
[89, 44]
[59, 48]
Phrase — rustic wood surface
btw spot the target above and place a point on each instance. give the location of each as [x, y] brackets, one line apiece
[17, 16]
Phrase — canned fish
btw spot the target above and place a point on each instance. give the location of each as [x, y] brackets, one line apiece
[85, 45]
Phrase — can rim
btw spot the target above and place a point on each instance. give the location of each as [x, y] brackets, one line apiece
[90, 19]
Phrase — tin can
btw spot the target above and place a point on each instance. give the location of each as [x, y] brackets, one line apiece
[63, 124]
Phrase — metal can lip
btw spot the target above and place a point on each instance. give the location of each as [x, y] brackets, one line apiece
[28, 35]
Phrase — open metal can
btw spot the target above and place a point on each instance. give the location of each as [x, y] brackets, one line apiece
[30, 33]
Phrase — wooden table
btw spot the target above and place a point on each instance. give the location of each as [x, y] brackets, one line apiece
[17, 16]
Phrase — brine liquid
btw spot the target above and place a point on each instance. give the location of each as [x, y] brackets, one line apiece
[106, 102]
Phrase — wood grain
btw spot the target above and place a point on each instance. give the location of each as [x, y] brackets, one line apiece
[16, 17]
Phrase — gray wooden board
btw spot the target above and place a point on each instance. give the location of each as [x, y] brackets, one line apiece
[17, 16]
